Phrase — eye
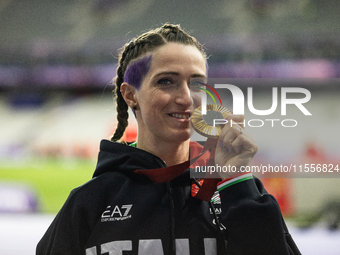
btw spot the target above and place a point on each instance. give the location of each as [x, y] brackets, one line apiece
[164, 81]
[197, 85]
[197, 82]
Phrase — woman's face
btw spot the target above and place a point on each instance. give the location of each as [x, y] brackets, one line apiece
[164, 99]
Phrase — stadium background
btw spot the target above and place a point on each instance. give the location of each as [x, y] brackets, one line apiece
[57, 61]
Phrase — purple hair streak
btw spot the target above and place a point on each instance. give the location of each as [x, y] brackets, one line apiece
[136, 71]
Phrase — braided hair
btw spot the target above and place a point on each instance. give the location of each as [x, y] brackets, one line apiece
[138, 47]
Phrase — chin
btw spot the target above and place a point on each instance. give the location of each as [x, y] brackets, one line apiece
[181, 136]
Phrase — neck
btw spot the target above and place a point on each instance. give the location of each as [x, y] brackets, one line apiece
[172, 153]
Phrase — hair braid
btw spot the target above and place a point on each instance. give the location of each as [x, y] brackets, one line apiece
[122, 113]
[122, 107]
[138, 47]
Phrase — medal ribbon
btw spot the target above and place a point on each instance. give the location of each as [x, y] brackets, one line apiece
[166, 174]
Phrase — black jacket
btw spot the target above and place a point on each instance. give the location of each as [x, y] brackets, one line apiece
[121, 212]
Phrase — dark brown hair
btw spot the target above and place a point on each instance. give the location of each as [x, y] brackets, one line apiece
[138, 47]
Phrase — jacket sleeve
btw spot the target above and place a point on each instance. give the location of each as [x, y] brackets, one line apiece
[254, 221]
[64, 235]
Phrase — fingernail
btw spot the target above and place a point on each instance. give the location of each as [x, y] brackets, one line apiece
[221, 144]
[226, 148]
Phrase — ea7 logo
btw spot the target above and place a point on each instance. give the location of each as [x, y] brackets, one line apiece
[116, 213]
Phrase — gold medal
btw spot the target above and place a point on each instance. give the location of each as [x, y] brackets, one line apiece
[204, 124]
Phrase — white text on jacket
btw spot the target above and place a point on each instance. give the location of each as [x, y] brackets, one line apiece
[151, 247]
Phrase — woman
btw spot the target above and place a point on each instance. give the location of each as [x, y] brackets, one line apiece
[134, 204]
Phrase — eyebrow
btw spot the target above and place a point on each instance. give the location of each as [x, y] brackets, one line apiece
[176, 73]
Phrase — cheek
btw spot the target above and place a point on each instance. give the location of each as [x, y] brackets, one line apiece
[197, 100]
[152, 103]
[159, 99]
[152, 110]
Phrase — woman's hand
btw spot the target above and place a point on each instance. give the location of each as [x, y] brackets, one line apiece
[235, 147]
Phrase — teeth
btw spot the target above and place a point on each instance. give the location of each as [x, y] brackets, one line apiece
[180, 116]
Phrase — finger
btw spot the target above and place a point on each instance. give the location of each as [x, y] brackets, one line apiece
[236, 120]
[244, 144]
[230, 138]
[227, 137]
[231, 131]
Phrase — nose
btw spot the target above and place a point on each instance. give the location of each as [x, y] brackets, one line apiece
[183, 96]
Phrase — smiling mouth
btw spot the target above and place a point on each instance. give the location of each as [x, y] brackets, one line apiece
[180, 115]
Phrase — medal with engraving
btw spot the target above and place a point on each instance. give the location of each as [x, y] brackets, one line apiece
[204, 124]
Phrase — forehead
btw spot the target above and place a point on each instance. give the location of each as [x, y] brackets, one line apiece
[178, 56]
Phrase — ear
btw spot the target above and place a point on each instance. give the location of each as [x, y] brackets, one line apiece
[129, 94]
